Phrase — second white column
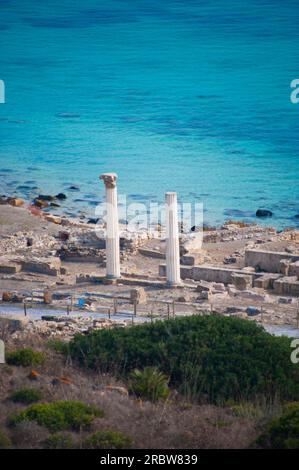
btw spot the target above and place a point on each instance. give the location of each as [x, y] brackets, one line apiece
[172, 240]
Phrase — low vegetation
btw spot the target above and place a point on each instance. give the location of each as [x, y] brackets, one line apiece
[199, 361]
[283, 432]
[58, 346]
[25, 357]
[59, 416]
[249, 410]
[26, 396]
[5, 442]
[108, 440]
[209, 358]
[149, 384]
[59, 441]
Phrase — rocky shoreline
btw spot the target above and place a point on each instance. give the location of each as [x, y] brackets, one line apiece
[73, 203]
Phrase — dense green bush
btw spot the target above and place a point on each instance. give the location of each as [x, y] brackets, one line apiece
[283, 432]
[212, 357]
[26, 396]
[25, 357]
[5, 442]
[58, 346]
[107, 440]
[149, 383]
[59, 415]
[58, 441]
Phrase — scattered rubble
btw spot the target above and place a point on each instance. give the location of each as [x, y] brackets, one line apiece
[63, 328]
[237, 266]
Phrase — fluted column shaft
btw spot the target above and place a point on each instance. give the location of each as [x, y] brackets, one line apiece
[172, 240]
[112, 230]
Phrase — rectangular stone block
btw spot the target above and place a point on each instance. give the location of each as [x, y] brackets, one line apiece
[186, 272]
[214, 274]
[287, 286]
[204, 295]
[138, 295]
[285, 266]
[151, 253]
[241, 281]
[49, 267]
[266, 281]
[268, 261]
[192, 260]
[204, 287]
[90, 278]
[294, 289]
[10, 268]
[294, 269]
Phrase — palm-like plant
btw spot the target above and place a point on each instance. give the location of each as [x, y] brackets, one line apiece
[149, 383]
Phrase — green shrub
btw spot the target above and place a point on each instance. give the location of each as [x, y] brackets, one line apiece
[58, 346]
[213, 358]
[58, 441]
[247, 410]
[26, 396]
[108, 440]
[59, 415]
[5, 442]
[283, 432]
[149, 384]
[25, 357]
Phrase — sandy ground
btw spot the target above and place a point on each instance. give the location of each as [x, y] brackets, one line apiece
[15, 219]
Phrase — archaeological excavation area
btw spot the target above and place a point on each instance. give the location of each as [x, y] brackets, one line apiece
[69, 276]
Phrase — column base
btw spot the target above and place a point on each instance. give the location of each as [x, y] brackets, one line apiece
[111, 279]
[173, 284]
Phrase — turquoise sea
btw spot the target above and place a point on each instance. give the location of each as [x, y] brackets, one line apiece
[185, 95]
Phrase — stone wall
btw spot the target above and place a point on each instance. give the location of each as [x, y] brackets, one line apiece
[50, 267]
[268, 261]
[287, 286]
[215, 274]
[209, 273]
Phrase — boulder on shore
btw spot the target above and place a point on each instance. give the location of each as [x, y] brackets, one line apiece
[46, 197]
[40, 203]
[15, 201]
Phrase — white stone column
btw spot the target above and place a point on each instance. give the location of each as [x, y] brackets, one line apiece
[172, 240]
[112, 232]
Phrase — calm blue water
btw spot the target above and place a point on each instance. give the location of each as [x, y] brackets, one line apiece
[184, 95]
